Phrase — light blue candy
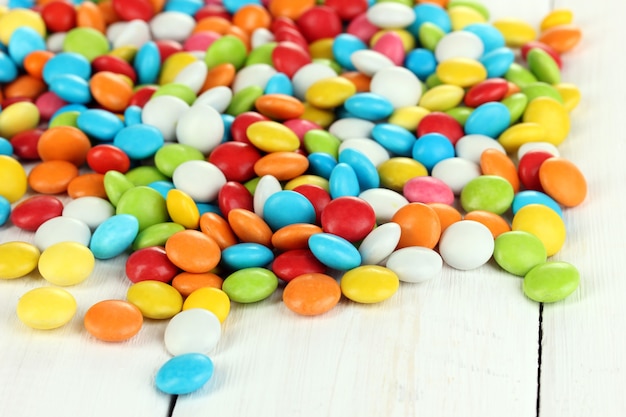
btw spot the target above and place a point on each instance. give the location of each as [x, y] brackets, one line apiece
[147, 63]
[184, 374]
[287, 207]
[132, 115]
[431, 149]
[5, 147]
[25, 40]
[343, 182]
[247, 255]
[189, 7]
[431, 13]
[334, 251]
[99, 124]
[421, 62]
[139, 141]
[321, 164]
[526, 197]
[492, 38]
[369, 106]
[344, 46]
[396, 139]
[5, 210]
[365, 170]
[65, 63]
[227, 119]
[8, 69]
[208, 208]
[71, 88]
[279, 83]
[489, 119]
[233, 5]
[162, 186]
[497, 62]
[113, 236]
[21, 4]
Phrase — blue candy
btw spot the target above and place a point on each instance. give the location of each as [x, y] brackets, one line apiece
[247, 255]
[189, 7]
[526, 197]
[279, 83]
[366, 172]
[113, 236]
[431, 149]
[25, 40]
[421, 62]
[132, 115]
[431, 13]
[71, 88]
[233, 5]
[66, 63]
[99, 124]
[147, 63]
[139, 141]
[343, 182]
[184, 374]
[5, 210]
[287, 207]
[334, 251]
[396, 139]
[368, 106]
[492, 38]
[321, 164]
[5, 147]
[497, 62]
[8, 69]
[162, 186]
[489, 119]
[343, 47]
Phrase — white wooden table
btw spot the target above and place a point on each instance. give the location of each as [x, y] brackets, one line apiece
[467, 344]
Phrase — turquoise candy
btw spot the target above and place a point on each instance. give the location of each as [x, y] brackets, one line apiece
[247, 255]
[551, 281]
[279, 83]
[250, 285]
[287, 207]
[498, 61]
[517, 252]
[24, 40]
[489, 119]
[113, 236]
[184, 374]
[396, 139]
[99, 124]
[343, 181]
[138, 141]
[321, 164]
[5, 210]
[146, 204]
[432, 148]
[66, 63]
[492, 38]
[365, 170]
[71, 88]
[147, 63]
[334, 251]
[489, 193]
[344, 45]
[526, 197]
[369, 106]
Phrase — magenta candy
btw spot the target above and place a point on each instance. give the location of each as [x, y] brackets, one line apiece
[48, 103]
[293, 263]
[32, 212]
[362, 28]
[236, 160]
[301, 126]
[390, 45]
[289, 57]
[348, 217]
[200, 41]
[428, 190]
[150, 263]
[318, 196]
[240, 125]
[492, 89]
[319, 22]
[234, 195]
[438, 122]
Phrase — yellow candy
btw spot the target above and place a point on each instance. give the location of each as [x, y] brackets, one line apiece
[46, 308]
[461, 16]
[395, 172]
[126, 52]
[17, 18]
[369, 284]
[516, 32]
[209, 298]
[174, 64]
[322, 117]
[328, 93]
[408, 40]
[518, 134]
[322, 49]
[18, 118]
[552, 115]
[408, 117]
[570, 94]
[17, 259]
[542, 222]
[307, 179]
[556, 17]
[442, 97]
[13, 179]
[270, 136]
[66, 263]
[182, 209]
[463, 72]
[155, 299]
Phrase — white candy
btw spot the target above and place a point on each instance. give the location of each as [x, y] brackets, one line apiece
[537, 146]
[133, 33]
[201, 127]
[61, 229]
[163, 113]
[466, 244]
[202, 180]
[90, 210]
[193, 75]
[370, 62]
[398, 85]
[351, 128]
[193, 330]
[307, 75]
[260, 37]
[456, 172]
[267, 185]
[54, 42]
[459, 44]
[385, 203]
[217, 97]
[389, 15]
[373, 150]
[175, 26]
[470, 147]
[415, 264]
[255, 74]
[379, 243]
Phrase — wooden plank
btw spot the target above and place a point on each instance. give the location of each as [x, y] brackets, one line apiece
[584, 341]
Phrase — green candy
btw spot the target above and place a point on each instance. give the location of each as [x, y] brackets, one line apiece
[429, 35]
[317, 140]
[517, 252]
[460, 114]
[243, 100]
[409, 3]
[261, 55]
[519, 75]
[541, 89]
[541, 64]
[252, 184]
[432, 81]
[489, 193]
[551, 281]
[473, 4]
[333, 65]
[115, 185]
[250, 285]
[227, 49]
[87, 42]
[171, 155]
[182, 91]
[67, 118]
[146, 204]
[144, 175]
[516, 103]
[156, 235]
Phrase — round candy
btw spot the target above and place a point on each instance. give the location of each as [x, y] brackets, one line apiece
[155, 299]
[348, 217]
[113, 236]
[293, 263]
[246, 255]
[334, 251]
[551, 281]
[193, 330]
[145, 204]
[32, 212]
[542, 222]
[184, 374]
[250, 285]
[415, 264]
[209, 298]
[46, 308]
[62, 229]
[380, 243]
[311, 294]
[419, 224]
[150, 263]
[17, 259]
[193, 251]
[466, 245]
[487, 192]
[518, 252]
[13, 180]
[287, 207]
[369, 284]
[563, 181]
[113, 320]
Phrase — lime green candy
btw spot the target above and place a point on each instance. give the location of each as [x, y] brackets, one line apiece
[543, 66]
[227, 49]
[146, 204]
[461, 113]
[489, 193]
[115, 185]
[432, 80]
[429, 35]
[243, 100]
[517, 252]
[250, 285]
[551, 281]
[519, 75]
[472, 4]
[541, 89]
[144, 175]
[171, 155]
[261, 54]
[252, 184]
[182, 91]
[87, 42]
[317, 140]
[156, 235]
[516, 103]
[67, 118]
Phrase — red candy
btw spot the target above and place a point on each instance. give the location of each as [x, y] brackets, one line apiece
[104, 158]
[234, 195]
[492, 89]
[133, 9]
[167, 48]
[438, 122]
[114, 64]
[34, 211]
[59, 16]
[48, 103]
[240, 125]
[528, 169]
[318, 196]
[390, 45]
[348, 217]
[25, 144]
[293, 263]
[141, 96]
[150, 263]
[236, 160]
[347, 9]
[289, 57]
[320, 22]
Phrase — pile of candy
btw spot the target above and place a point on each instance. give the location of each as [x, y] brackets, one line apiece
[226, 148]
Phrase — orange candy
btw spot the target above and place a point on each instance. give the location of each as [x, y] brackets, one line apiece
[282, 165]
[65, 143]
[52, 177]
[494, 162]
[252, 17]
[193, 251]
[494, 222]
[446, 213]
[360, 80]
[294, 236]
[113, 320]
[563, 181]
[291, 9]
[187, 282]
[212, 24]
[111, 90]
[87, 185]
[89, 15]
[35, 61]
[26, 86]
[420, 225]
[279, 106]
[562, 38]
[311, 294]
[107, 11]
[250, 227]
[220, 75]
[214, 226]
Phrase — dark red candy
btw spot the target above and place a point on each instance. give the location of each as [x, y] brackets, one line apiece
[547, 48]
[289, 34]
[167, 48]
[150, 263]
[348, 217]
[320, 22]
[133, 9]
[104, 158]
[239, 126]
[234, 195]
[528, 169]
[59, 16]
[296, 262]
[289, 57]
[114, 64]
[347, 9]
[31, 213]
[492, 89]
[236, 160]
[25, 144]
[48, 103]
[318, 196]
[142, 95]
[438, 122]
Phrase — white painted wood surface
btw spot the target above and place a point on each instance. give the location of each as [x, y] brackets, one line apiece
[463, 345]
